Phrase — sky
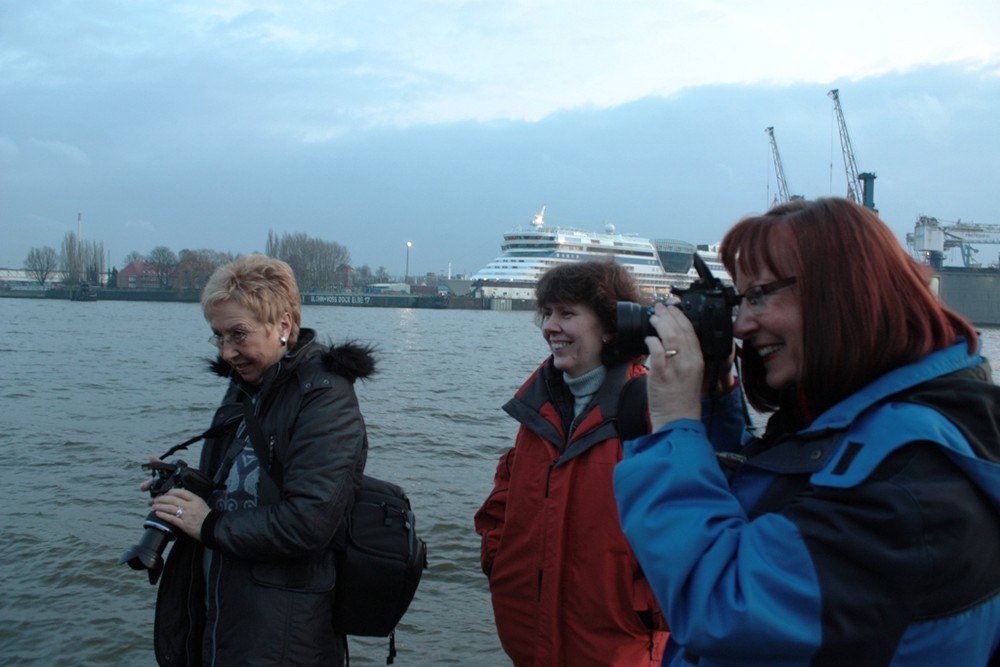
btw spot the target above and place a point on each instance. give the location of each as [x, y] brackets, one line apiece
[206, 124]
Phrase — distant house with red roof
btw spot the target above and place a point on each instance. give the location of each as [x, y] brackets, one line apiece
[138, 275]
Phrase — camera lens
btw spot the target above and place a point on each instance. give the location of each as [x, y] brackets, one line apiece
[148, 552]
[633, 327]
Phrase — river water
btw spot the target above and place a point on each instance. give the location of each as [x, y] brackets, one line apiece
[90, 389]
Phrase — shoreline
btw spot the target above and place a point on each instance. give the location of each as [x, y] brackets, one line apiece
[974, 293]
[344, 299]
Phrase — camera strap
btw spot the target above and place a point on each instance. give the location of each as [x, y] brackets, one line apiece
[213, 432]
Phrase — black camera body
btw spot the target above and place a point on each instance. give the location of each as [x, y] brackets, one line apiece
[148, 552]
[707, 303]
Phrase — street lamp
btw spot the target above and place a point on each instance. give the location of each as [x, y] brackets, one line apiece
[406, 276]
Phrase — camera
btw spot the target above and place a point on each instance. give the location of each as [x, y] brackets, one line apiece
[707, 303]
[148, 552]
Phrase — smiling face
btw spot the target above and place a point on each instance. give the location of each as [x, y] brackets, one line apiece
[575, 335]
[260, 347]
[773, 329]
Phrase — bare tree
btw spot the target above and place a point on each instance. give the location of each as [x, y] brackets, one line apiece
[383, 275]
[195, 267]
[71, 258]
[163, 261]
[41, 263]
[93, 261]
[81, 260]
[314, 261]
[271, 249]
[134, 256]
[363, 276]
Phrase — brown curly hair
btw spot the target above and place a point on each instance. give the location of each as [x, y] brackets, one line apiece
[597, 284]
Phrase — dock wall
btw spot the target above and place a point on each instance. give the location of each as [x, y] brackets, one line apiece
[974, 293]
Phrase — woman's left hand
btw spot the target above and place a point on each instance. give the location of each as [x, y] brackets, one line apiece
[181, 509]
[676, 368]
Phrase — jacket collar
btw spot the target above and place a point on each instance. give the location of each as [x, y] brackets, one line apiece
[534, 407]
[935, 364]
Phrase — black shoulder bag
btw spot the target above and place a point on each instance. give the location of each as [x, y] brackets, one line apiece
[380, 558]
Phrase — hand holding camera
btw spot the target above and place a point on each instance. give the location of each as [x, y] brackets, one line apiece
[174, 487]
[690, 344]
[707, 303]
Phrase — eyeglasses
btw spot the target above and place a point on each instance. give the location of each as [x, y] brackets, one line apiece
[756, 296]
[236, 338]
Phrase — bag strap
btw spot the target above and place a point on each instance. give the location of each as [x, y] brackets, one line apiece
[257, 438]
[263, 449]
[633, 413]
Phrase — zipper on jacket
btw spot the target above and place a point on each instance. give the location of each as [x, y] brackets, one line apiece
[548, 476]
[213, 604]
[192, 651]
[548, 480]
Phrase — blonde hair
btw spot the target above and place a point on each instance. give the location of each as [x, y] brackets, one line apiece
[263, 285]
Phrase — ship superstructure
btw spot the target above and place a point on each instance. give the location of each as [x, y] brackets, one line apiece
[530, 251]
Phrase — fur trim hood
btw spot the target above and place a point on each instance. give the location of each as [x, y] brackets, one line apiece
[351, 360]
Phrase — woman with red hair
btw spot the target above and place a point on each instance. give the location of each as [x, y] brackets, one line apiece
[863, 526]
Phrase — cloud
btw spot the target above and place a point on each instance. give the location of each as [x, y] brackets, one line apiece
[64, 152]
[140, 225]
[325, 66]
[448, 121]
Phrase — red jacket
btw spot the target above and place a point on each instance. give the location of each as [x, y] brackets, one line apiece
[567, 589]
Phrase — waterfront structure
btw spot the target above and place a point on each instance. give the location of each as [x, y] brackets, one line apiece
[527, 252]
[139, 275]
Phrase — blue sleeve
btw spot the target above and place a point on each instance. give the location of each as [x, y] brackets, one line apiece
[728, 587]
[724, 421]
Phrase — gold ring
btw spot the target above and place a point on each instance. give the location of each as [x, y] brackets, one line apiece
[670, 353]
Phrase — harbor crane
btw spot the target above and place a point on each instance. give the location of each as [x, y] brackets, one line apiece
[779, 170]
[860, 187]
[931, 239]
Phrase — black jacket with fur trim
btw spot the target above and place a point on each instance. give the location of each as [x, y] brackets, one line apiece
[270, 569]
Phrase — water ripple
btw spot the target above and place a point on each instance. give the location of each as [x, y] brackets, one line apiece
[83, 407]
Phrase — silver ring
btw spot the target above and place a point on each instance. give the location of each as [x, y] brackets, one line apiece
[670, 353]
[179, 513]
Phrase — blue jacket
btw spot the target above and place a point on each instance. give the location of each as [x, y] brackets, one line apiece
[872, 537]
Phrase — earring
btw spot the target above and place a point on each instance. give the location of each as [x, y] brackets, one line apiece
[283, 341]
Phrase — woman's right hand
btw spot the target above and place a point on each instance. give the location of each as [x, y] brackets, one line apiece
[676, 368]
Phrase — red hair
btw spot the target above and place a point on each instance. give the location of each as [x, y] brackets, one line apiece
[867, 306]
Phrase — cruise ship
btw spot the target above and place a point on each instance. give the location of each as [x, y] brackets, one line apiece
[527, 252]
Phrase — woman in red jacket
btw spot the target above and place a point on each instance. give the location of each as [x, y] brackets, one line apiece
[566, 587]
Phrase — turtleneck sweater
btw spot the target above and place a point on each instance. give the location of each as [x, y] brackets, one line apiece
[583, 387]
